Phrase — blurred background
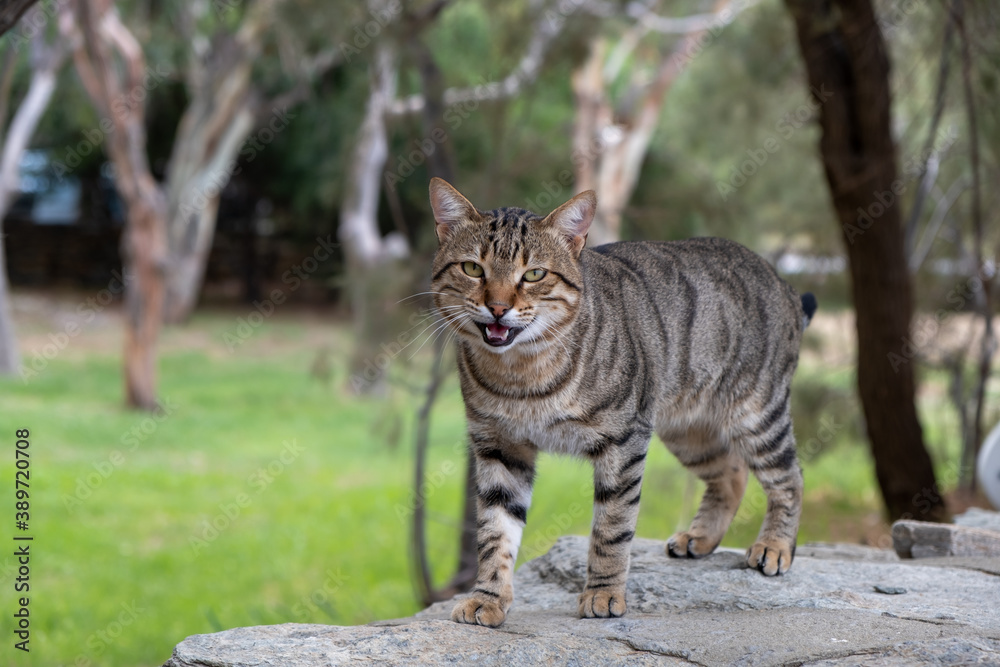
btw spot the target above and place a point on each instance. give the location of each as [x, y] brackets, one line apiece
[216, 234]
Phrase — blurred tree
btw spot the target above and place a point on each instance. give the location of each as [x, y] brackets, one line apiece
[220, 114]
[364, 244]
[369, 253]
[225, 104]
[984, 271]
[846, 61]
[610, 141]
[11, 11]
[46, 61]
[96, 32]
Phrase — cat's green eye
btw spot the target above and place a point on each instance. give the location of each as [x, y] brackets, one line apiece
[472, 269]
[534, 275]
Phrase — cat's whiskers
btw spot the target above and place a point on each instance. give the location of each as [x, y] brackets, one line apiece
[459, 323]
[451, 336]
[437, 324]
[426, 315]
[414, 296]
[556, 335]
[437, 318]
[445, 321]
[430, 314]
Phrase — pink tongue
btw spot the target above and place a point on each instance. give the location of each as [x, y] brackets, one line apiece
[496, 331]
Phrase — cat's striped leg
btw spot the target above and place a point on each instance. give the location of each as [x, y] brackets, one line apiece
[775, 465]
[618, 467]
[505, 473]
[725, 477]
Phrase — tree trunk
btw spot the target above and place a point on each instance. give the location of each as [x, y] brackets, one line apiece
[144, 242]
[45, 63]
[848, 72]
[194, 184]
[367, 251]
[144, 253]
[609, 145]
[215, 124]
[359, 230]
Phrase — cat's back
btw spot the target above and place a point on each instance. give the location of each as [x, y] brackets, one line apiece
[708, 270]
[711, 307]
[696, 258]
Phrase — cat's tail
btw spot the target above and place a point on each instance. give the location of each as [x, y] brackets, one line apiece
[808, 307]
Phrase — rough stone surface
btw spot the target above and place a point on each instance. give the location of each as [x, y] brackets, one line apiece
[921, 539]
[976, 517]
[714, 611]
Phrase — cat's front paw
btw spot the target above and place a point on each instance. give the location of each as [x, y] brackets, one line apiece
[771, 556]
[688, 545]
[478, 612]
[602, 603]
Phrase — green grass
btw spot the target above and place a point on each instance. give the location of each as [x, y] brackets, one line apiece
[119, 575]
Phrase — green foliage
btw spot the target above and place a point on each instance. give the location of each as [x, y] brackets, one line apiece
[742, 106]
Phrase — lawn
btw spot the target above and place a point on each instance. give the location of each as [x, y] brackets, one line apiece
[264, 495]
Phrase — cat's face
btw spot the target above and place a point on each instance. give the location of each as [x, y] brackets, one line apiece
[508, 277]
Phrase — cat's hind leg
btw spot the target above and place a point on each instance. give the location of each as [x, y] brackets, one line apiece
[725, 475]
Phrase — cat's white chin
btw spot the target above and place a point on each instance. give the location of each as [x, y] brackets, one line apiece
[497, 350]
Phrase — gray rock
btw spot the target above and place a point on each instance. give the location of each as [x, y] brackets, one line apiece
[846, 552]
[975, 517]
[921, 539]
[713, 611]
[889, 590]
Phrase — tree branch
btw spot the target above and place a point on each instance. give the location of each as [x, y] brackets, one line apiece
[11, 12]
[985, 293]
[925, 180]
[686, 24]
[546, 28]
[425, 582]
[938, 216]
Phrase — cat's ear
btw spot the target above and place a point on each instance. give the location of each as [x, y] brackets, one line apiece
[572, 220]
[451, 209]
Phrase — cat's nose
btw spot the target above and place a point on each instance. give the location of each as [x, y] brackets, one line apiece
[499, 309]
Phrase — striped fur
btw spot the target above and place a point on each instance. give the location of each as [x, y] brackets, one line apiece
[694, 340]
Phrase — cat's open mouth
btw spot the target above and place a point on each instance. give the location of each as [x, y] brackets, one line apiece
[498, 335]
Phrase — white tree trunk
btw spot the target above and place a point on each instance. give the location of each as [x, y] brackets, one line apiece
[46, 63]
[363, 243]
[365, 248]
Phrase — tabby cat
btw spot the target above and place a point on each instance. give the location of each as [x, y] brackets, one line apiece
[589, 352]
